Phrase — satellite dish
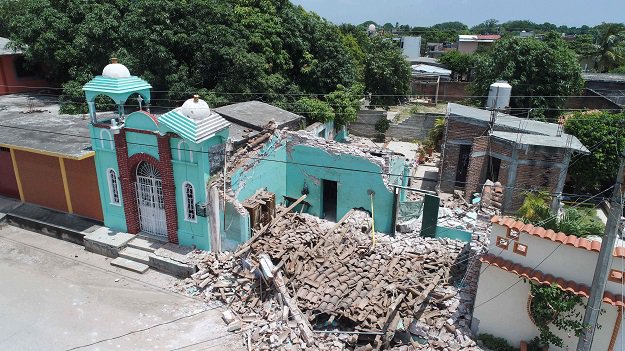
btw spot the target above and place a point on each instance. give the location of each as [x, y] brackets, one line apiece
[372, 27]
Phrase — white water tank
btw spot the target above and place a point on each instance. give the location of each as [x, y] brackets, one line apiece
[499, 95]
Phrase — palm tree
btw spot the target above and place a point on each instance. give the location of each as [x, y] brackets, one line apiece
[610, 40]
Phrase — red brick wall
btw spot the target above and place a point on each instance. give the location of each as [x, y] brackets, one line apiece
[447, 91]
[476, 165]
[456, 131]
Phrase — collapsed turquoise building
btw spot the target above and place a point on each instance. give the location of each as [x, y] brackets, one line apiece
[163, 176]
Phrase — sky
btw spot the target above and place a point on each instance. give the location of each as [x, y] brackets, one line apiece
[470, 12]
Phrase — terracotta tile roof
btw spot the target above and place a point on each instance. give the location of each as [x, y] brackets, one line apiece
[571, 240]
[489, 36]
[542, 278]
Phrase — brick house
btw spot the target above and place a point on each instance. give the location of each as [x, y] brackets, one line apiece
[521, 154]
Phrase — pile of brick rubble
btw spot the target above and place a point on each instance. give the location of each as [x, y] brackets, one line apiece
[305, 282]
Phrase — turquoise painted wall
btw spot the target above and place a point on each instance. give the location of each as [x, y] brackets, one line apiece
[352, 186]
[236, 228]
[105, 158]
[270, 172]
[286, 168]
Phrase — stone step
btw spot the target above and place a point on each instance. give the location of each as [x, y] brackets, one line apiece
[130, 265]
[136, 255]
[145, 244]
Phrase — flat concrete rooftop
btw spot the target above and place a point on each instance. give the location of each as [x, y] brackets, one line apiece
[33, 123]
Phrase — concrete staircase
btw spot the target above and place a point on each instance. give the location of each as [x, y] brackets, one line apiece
[135, 256]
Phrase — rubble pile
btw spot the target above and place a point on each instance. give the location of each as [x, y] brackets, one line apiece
[300, 273]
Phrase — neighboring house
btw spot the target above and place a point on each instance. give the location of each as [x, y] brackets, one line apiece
[611, 86]
[435, 50]
[15, 75]
[249, 118]
[520, 255]
[521, 154]
[46, 157]
[472, 42]
[410, 47]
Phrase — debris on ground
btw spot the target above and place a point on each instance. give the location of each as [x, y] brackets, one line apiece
[305, 282]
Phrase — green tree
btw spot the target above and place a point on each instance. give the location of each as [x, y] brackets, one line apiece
[542, 73]
[603, 133]
[314, 110]
[247, 49]
[345, 104]
[580, 222]
[460, 63]
[553, 307]
[387, 74]
[584, 46]
[455, 25]
[610, 40]
[490, 26]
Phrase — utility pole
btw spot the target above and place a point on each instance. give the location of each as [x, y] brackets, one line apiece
[612, 230]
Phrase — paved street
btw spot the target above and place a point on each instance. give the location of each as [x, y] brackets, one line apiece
[56, 296]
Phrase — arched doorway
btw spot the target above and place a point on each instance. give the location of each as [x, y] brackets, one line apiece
[150, 201]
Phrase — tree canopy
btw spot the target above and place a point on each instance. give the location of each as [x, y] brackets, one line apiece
[228, 51]
[542, 73]
[603, 133]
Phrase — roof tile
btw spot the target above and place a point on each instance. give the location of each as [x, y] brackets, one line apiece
[571, 240]
[542, 278]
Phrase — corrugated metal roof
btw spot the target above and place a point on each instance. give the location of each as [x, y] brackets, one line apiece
[565, 141]
[193, 130]
[517, 126]
[542, 278]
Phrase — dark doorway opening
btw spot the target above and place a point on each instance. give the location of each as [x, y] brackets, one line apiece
[328, 199]
[463, 164]
[493, 167]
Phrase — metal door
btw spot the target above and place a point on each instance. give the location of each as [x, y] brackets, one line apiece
[150, 201]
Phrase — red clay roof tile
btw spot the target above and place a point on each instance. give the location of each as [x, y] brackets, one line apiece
[571, 240]
[542, 278]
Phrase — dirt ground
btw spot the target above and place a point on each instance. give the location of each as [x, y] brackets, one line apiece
[54, 295]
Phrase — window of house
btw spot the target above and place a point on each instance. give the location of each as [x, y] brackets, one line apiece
[189, 202]
[520, 248]
[512, 234]
[113, 183]
[502, 243]
[616, 276]
[184, 152]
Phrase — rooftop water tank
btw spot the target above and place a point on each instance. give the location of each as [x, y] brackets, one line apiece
[499, 95]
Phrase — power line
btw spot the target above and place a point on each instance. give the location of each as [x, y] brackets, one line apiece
[268, 159]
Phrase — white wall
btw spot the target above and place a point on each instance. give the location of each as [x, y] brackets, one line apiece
[506, 315]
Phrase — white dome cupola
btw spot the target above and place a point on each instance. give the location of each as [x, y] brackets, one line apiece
[115, 70]
[195, 108]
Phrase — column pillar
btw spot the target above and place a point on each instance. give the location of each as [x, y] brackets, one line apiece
[169, 188]
[129, 195]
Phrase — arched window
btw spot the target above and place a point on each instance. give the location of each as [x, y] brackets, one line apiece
[111, 177]
[106, 140]
[189, 202]
[184, 152]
